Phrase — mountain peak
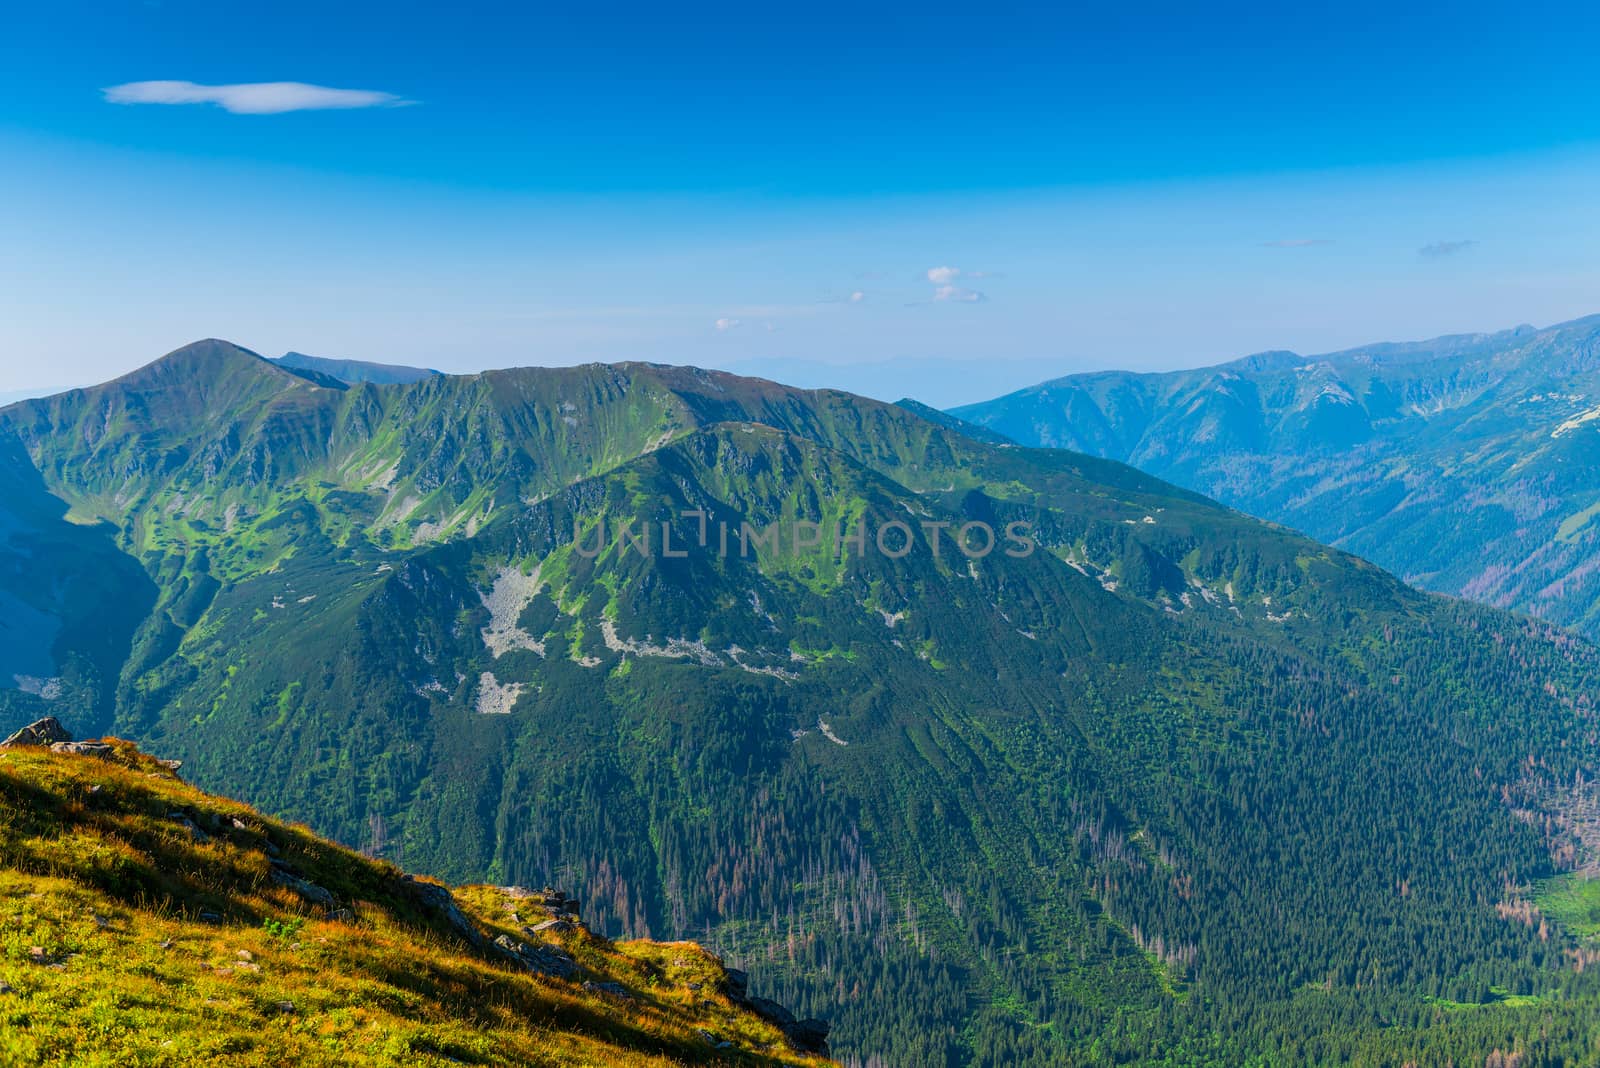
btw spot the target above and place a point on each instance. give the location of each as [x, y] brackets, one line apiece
[207, 359]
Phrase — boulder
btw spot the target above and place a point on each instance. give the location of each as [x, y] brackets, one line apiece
[737, 984]
[809, 1036]
[182, 820]
[94, 749]
[47, 731]
[283, 875]
[442, 904]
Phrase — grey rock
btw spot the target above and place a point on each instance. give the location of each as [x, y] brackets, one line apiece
[557, 926]
[439, 901]
[45, 731]
[182, 820]
[341, 916]
[542, 959]
[94, 749]
[310, 891]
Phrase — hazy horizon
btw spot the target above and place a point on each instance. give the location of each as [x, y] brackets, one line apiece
[941, 383]
[1041, 189]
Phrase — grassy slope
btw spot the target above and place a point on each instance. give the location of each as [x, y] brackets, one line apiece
[105, 957]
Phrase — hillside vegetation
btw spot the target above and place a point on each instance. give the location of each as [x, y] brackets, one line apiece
[147, 922]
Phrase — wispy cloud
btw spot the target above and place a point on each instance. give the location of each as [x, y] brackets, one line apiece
[1296, 242]
[1440, 249]
[253, 98]
[946, 290]
[857, 296]
[727, 324]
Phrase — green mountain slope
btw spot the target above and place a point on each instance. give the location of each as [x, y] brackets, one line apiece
[150, 923]
[1175, 786]
[1465, 464]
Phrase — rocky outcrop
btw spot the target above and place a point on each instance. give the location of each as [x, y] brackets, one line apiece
[539, 957]
[47, 731]
[807, 1036]
[441, 904]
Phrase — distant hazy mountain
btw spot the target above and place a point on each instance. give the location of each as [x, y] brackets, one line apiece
[1177, 786]
[353, 371]
[1467, 464]
[939, 381]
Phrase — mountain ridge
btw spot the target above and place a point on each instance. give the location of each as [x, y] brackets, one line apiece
[1459, 462]
[1120, 797]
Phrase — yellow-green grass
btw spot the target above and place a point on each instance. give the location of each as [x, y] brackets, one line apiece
[1572, 901]
[106, 959]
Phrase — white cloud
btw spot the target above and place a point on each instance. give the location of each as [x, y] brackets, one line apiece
[943, 276]
[857, 297]
[726, 324]
[253, 98]
[957, 294]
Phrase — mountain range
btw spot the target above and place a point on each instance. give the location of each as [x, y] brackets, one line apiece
[1145, 780]
[1465, 464]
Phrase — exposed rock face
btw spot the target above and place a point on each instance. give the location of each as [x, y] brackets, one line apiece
[47, 731]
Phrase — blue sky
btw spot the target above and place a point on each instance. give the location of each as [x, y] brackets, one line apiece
[943, 201]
